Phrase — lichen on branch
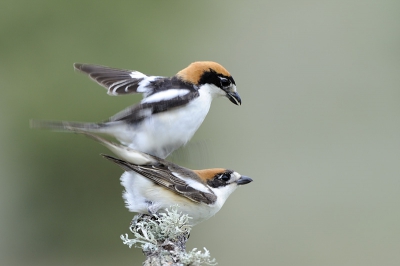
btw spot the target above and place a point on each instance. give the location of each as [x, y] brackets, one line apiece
[162, 238]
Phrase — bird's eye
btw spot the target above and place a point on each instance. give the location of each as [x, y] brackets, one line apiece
[225, 177]
[225, 82]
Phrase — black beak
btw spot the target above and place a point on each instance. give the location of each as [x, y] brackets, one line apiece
[243, 180]
[234, 97]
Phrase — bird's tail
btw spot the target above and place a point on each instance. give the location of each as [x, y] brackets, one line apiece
[126, 166]
[68, 126]
[128, 154]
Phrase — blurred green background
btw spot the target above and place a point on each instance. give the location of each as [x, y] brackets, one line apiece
[318, 131]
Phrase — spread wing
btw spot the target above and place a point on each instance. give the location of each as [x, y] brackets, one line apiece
[137, 113]
[119, 81]
[163, 176]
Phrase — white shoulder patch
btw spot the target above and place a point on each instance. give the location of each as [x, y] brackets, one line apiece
[165, 95]
[193, 183]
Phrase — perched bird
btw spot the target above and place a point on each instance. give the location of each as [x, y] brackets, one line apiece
[171, 111]
[153, 184]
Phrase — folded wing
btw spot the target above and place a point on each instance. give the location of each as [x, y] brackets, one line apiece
[161, 175]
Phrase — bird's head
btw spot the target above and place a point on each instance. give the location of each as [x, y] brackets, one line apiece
[222, 181]
[211, 75]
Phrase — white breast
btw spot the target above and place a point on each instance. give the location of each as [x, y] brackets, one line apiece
[165, 132]
[162, 133]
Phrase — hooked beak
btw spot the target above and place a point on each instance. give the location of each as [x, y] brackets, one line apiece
[234, 97]
[243, 180]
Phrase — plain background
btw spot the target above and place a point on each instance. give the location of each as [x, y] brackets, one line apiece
[318, 131]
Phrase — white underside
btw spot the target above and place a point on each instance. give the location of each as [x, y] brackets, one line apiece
[141, 193]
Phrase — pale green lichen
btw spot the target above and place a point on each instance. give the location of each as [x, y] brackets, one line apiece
[196, 258]
[164, 235]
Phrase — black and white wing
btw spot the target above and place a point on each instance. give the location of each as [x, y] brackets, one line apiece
[119, 81]
[145, 109]
[162, 175]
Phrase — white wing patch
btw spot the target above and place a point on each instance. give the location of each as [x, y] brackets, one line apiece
[192, 183]
[137, 75]
[144, 83]
[165, 95]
